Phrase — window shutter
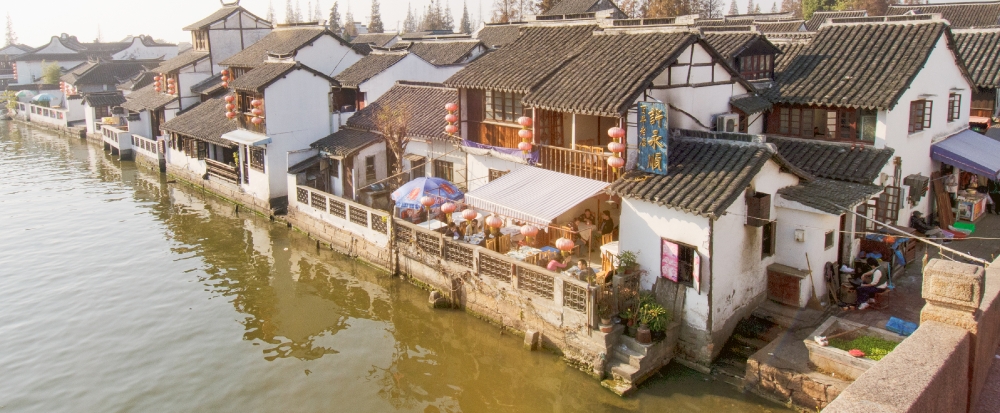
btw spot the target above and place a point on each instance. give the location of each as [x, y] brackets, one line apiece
[927, 113]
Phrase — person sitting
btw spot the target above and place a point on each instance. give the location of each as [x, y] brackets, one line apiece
[472, 227]
[588, 217]
[575, 234]
[453, 231]
[556, 265]
[607, 225]
[585, 273]
[879, 281]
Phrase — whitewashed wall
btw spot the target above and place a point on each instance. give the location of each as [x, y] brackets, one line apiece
[191, 75]
[328, 56]
[411, 68]
[794, 216]
[478, 172]
[230, 36]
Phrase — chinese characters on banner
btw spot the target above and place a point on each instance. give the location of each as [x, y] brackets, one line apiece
[652, 133]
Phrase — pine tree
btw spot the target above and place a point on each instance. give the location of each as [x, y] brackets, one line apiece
[756, 8]
[465, 26]
[350, 29]
[298, 12]
[749, 6]
[317, 13]
[289, 12]
[334, 23]
[410, 23]
[270, 11]
[11, 36]
[733, 9]
[774, 7]
[375, 23]
[448, 21]
[309, 11]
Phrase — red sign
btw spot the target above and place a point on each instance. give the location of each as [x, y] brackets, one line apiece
[413, 194]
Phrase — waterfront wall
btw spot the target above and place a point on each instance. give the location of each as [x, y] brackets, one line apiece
[943, 366]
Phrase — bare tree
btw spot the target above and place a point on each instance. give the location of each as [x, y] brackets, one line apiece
[505, 11]
[375, 22]
[793, 6]
[392, 120]
[632, 8]
[710, 9]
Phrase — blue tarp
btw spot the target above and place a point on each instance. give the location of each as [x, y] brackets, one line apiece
[970, 152]
[441, 190]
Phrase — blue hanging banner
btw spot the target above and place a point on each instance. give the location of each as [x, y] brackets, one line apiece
[652, 133]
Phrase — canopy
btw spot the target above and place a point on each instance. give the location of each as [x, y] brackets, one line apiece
[970, 152]
[441, 190]
[533, 194]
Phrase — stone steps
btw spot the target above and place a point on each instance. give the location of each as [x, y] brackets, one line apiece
[788, 316]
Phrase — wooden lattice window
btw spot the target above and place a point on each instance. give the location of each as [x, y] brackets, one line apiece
[444, 170]
[318, 201]
[494, 268]
[380, 224]
[954, 107]
[888, 201]
[199, 39]
[458, 254]
[503, 106]
[574, 297]
[429, 243]
[404, 234]
[257, 158]
[920, 115]
[302, 196]
[338, 209]
[757, 67]
[359, 216]
[536, 282]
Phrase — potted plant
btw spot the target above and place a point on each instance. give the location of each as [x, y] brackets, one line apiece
[604, 312]
[628, 316]
[626, 262]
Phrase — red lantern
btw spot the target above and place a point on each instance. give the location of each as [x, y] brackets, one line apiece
[616, 132]
[616, 162]
[565, 244]
[230, 115]
[448, 207]
[156, 78]
[230, 106]
[426, 201]
[529, 230]
[524, 134]
[170, 80]
[256, 120]
[494, 221]
[257, 111]
[524, 147]
[225, 78]
[256, 102]
[524, 121]
[225, 72]
[616, 147]
[230, 98]
[451, 129]
[225, 84]
[451, 107]
[450, 118]
[469, 214]
[157, 88]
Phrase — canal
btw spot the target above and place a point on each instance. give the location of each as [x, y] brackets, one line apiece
[123, 292]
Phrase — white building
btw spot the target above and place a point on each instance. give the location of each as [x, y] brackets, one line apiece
[226, 32]
[143, 47]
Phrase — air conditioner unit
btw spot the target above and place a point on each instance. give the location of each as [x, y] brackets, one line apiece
[727, 122]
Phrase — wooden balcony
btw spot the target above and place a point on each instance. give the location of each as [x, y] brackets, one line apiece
[591, 164]
[246, 123]
[221, 170]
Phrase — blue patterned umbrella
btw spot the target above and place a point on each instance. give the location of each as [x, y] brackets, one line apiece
[408, 195]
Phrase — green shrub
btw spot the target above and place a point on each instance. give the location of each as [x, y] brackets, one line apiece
[874, 348]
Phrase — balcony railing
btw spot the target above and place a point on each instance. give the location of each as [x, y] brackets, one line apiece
[118, 137]
[585, 164]
[247, 123]
[221, 170]
[147, 147]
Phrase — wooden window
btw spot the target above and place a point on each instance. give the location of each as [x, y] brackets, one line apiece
[868, 121]
[954, 107]
[102, 112]
[244, 112]
[767, 239]
[370, 175]
[686, 264]
[417, 167]
[362, 100]
[503, 106]
[494, 174]
[334, 167]
[920, 115]
[257, 158]
[828, 240]
[202, 148]
[199, 39]
[819, 123]
[444, 170]
[758, 209]
[757, 67]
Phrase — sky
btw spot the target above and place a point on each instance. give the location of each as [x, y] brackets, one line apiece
[35, 21]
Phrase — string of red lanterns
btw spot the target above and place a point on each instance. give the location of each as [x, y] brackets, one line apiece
[225, 77]
[451, 118]
[230, 107]
[525, 134]
[257, 111]
[616, 147]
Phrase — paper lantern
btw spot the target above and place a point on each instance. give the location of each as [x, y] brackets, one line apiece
[230, 98]
[616, 162]
[157, 88]
[450, 118]
[616, 147]
[451, 107]
[426, 201]
[448, 207]
[256, 102]
[524, 121]
[225, 84]
[156, 78]
[524, 146]
[451, 129]
[230, 106]
[257, 111]
[225, 72]
[565, 244]
[529, 230]
[225, 78]
[524, 134]
[616, 132]
[256, 120]
[170, 80]
[469, 214]
[230, 115]
[494, 221]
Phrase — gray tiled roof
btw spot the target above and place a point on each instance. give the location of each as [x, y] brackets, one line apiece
[840, 161]
[965, 15]
[858, 65]
[980, 51]
[517, 67]
[104, 99]
[376, 39]
[220, 14]
[579, 7]
[498, 35]
[826, 194]
[346, 141]
[728, 44]
[208, 86]
[367, 67]
[704, 176]
[751, 104]
[206, 121]
[147, 98]
[262, 76]
[790, 49]
[280, 41]
[425, 102]
[440, 53]
[780, 26]
[819, 17]
[181, 60]
[106, 73]
[609, 73]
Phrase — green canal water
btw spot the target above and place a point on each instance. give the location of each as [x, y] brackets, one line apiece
[122, 292]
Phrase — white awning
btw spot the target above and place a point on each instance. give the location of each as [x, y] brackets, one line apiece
[245, 137]
[533, 194]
